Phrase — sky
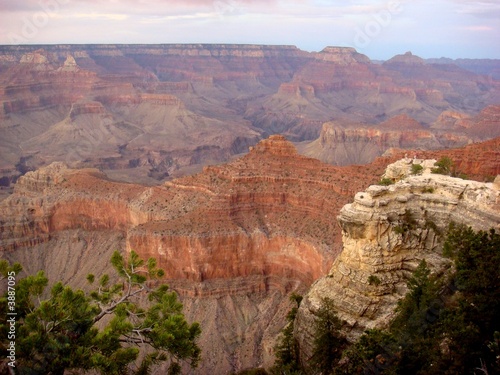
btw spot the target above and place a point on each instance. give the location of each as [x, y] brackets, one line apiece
[378, 28]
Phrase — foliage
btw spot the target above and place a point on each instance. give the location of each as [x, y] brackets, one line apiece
[416, 169]
[374, 353]
[415, 322]
[443, 166]
[105, 329]
[472, 322]
[399, 229]
[428, 189]
[287, 350]
[429, 224]
[385, 181]
[329, 342]
[6, 268]
[408, 223]
[373, 280]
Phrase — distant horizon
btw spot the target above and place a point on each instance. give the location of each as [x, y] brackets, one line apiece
[241, 44]
[379, 29]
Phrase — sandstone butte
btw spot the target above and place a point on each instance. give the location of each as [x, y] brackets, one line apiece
[235, 240]
[343, 142]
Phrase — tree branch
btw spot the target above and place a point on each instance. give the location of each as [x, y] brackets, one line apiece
[123, 299]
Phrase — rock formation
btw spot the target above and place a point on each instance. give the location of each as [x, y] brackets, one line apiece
[478, 161]
[344, 142]
[386, 232]
[234, 240]
[196, 104]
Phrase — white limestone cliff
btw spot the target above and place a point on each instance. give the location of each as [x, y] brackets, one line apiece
[386, 232]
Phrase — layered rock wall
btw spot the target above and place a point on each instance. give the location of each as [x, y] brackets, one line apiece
[234, 240]
[386, 232]
[176, 99]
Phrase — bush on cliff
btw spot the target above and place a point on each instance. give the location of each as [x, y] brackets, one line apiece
[102, 330]
[443, 166]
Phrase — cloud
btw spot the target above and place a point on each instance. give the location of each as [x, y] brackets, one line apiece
[102, 16]
[483, 9]
[480, 28]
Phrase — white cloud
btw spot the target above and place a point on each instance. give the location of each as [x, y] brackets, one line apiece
[102, 16]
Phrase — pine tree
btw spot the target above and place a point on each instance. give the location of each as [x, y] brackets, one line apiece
[329, 342]
[471, 324]
[104, 329]
[287, 351]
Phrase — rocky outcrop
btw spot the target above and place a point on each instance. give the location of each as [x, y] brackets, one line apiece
[386, 232]
[342, 55]
[235, 240]
[347, 143]
[406, 59]
[478, 161]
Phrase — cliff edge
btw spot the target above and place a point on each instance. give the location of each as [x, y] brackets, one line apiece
[386, 232]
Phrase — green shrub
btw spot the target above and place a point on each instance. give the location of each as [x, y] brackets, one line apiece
[429, 224]
[287, 351]
[374, 280]
[329, 342]
[399, 229]
[385, 181]
[416, 169]
[443, 166]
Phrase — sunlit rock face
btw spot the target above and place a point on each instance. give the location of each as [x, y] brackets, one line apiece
[236, 239]
[386, 232]
[343, 142]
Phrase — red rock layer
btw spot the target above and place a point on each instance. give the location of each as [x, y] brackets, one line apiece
[478, 161]
[343, 142]
[267, 213]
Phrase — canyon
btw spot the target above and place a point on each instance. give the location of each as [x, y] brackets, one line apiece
[344, 143]
[236, 239]
[249, 172]
[149, 113]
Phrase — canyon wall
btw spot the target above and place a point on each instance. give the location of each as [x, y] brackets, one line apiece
[386, 232]
[152, 112]
[344, 143]
[235, 240]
